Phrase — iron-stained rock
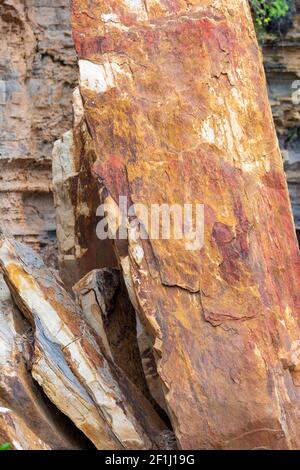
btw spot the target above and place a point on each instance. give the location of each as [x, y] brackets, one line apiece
[175, 100]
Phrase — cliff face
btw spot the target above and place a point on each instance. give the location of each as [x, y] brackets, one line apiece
[37, 76]
[282, 66]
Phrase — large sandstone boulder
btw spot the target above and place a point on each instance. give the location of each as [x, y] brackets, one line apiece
[175, 101]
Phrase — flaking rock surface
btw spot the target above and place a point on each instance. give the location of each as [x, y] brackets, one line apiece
[175, 100]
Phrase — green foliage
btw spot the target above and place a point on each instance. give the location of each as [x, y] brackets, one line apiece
[5, 446]
[292, 135]
[265, 11]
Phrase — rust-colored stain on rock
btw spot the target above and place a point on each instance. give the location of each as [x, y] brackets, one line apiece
[175, 100]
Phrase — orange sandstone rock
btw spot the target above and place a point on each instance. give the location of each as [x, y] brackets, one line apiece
[175, 101]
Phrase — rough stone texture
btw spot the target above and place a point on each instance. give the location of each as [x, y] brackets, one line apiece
[104, 301]
[69, 362]
[76, 197]
[28, 419]
[37, 76]
[77, 194]
[60, 385]
[96, 294]
[175, 100]
[282, 65]
[14, 431]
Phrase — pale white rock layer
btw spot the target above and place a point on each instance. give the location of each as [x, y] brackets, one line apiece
[117, 416]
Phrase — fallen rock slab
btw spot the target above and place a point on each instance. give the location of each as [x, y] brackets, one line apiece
[49, 368]
[68, 363]
[29, 420]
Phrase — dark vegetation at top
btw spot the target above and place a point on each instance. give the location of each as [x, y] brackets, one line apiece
[272, 16]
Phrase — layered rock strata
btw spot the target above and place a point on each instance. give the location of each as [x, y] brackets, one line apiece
[282, 66]
[69, 361]
[28, 421]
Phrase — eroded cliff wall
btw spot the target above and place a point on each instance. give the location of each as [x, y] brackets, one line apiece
[282, 66]
[37, 76]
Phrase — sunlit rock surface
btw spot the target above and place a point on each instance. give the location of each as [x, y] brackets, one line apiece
[175, 100]
[28, 419]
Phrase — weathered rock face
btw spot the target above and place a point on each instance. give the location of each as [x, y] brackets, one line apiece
[76, 197]
[282, 65]
[27, 420]
[103, 297]
[37, 75]
[168, 112]
[77, 194]
[70, 361]
[177, 115]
